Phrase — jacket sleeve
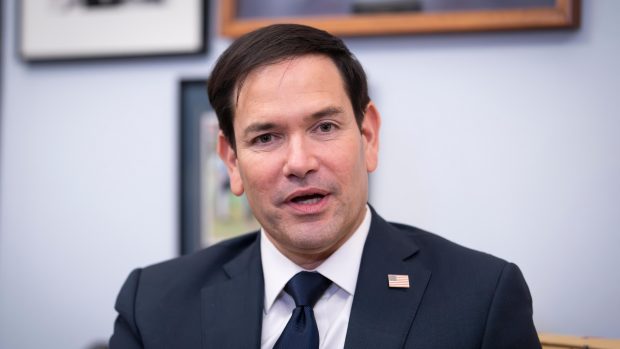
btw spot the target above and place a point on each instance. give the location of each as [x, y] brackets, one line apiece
[126, 333]
[509, 321]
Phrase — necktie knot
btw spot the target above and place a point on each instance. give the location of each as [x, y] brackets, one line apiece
[307, 287]
[301, 331]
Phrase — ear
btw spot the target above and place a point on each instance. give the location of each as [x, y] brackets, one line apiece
[370, 136]
[229, 156]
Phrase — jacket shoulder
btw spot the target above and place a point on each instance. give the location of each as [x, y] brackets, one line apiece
[204, 264]
[484, 300]
[443, 253]
[159, 306]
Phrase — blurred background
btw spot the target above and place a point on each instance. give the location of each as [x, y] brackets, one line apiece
[505, 142]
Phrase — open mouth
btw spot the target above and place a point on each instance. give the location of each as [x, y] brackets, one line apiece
[308, 199]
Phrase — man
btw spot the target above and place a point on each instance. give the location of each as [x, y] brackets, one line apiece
[299, 136]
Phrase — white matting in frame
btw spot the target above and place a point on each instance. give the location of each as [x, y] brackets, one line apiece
[74, 29]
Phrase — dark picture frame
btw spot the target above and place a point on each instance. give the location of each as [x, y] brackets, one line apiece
[397, 19]
[51, 31]
[208, 211]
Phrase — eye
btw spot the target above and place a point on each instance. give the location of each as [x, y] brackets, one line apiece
[265, 138]
[326, 127]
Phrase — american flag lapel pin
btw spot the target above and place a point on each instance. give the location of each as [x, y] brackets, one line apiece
[398, 281]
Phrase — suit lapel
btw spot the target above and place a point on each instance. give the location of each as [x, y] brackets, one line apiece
[232, 310]
[381, 316]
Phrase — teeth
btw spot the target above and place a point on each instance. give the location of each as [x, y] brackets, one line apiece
[309, 201]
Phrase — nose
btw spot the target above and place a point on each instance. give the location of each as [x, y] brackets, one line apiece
[300, 159]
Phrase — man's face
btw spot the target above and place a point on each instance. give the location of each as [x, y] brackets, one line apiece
[301, 158]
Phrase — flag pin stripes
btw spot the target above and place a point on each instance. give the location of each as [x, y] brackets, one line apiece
[398, 281]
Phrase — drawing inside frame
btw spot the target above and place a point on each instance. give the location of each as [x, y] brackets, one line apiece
[225, 214]
[209, 211]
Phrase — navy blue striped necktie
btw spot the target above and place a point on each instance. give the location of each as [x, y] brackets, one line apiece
[301, 331]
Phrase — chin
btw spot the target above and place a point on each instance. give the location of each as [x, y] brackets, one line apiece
[314, 241]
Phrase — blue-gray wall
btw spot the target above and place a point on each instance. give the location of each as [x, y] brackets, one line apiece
[505, 142]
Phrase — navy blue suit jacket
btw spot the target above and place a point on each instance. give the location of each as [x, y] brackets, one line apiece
[458, 298]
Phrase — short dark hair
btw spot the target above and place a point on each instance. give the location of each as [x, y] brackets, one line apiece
[273, 44]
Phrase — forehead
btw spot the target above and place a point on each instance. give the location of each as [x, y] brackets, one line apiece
[282, 65]
[291, 85]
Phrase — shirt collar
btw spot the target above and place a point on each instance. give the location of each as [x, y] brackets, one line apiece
[342, 267]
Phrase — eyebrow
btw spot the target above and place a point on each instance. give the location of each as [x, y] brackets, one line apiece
[258, 127]
[329, 111]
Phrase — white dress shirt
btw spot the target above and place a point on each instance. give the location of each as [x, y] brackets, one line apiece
[333, 308]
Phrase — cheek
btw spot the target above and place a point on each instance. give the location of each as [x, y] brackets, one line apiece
[347, 162]
[258, 174]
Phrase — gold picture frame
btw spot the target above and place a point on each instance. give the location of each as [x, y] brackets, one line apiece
[563, 14]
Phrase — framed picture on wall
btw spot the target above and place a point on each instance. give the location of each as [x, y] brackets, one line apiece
[93, 29]
[381, 17]
[209, 212]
